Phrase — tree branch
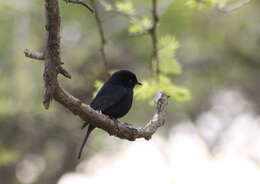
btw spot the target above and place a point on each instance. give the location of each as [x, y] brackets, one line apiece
[34, 55]
[233, 6]
[52, 61]
[54, 91]
[81, 3]
[114, 127]
[153, 35]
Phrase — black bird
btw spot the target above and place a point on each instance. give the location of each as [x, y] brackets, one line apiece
[113, 99]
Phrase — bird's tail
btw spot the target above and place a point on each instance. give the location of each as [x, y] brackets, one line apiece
[90, 128]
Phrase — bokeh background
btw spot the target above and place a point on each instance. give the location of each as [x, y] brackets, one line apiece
[214, 137]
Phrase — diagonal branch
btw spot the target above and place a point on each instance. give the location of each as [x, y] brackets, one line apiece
[116, 128]
[103, 40]
[81, 3]
[233, 6]
[53, 90]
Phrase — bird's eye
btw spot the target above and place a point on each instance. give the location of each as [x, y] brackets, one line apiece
[130, 80]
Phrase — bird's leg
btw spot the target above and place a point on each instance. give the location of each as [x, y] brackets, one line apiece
[84, 125]
[114, 131]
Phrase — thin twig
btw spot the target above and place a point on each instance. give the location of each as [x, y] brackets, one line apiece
[103, 41]
[100, 29]
[81, 3]
[153, 35]
[233, 6]
[34, 55]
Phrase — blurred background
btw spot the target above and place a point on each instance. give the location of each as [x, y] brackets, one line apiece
[213, 136]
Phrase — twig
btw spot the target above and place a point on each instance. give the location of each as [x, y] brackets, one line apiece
[85, 112]
[233, 6]
[34, 55]
[80, 3]
[102, 37]
[41, 56]
[153, 35]
[100, 29]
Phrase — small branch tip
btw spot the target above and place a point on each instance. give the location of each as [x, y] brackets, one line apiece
[32, 55]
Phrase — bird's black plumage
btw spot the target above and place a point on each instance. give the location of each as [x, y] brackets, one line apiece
[113, 99]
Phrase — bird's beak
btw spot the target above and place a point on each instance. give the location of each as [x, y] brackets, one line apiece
[139, 83]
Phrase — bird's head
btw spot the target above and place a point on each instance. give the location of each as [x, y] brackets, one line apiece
[124, 77]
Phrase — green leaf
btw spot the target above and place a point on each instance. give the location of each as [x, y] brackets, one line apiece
[166, 50]
[140, 26]
[126, 7]
[170, 65]
[135, 27]
[146, 23]
[149, 89]
[169, 42]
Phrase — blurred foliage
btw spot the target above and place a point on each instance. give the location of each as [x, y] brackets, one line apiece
[139, 26]
[126, 7]
[206, 4]
[203, 51]
[150, 88]
[200, 4]
[8, 157]
[167, 46]
[166, 50]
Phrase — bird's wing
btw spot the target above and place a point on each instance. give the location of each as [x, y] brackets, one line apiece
[108, 96]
